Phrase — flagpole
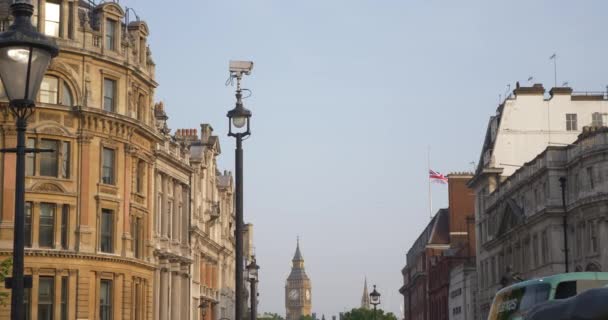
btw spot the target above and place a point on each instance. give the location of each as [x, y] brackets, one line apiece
[429, 179]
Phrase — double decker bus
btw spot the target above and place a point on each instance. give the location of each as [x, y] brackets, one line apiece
[512, 302]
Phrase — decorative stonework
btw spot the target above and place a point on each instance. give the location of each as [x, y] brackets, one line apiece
[49, 116]
[48, 187]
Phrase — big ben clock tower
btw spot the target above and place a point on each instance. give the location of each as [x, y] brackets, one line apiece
[298, 299]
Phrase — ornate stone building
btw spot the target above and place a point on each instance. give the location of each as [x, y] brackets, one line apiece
[212, 227]
[298, 299]
[527, 214]
[121, 221]
[526, 124]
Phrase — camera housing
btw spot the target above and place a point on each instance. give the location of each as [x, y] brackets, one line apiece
[241, 67]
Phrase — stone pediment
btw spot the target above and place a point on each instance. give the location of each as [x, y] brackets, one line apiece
[512, 217]
[52, 129]
[141, 26]
[49, 187]
[111, 8]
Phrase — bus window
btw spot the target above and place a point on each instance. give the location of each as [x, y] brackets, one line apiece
[511, 303]
[569, 289]
[565, 290]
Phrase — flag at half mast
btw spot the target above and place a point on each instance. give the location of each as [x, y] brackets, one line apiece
[437, 177]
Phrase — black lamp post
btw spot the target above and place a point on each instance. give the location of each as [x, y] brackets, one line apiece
[374, 299]
[239, 118]
[253, 271]
[562, 185]
[25, 55]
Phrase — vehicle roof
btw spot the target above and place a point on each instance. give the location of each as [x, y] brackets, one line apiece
[558, 278]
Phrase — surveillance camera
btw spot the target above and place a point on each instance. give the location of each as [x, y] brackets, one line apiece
[241, 67]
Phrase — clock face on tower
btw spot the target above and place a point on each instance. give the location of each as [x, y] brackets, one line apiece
[307, 294]
[294, 294]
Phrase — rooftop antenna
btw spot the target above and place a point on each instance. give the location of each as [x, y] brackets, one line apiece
[554, 58]
[530, 80]
[565, 84]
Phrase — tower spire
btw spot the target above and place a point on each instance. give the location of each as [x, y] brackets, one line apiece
[298, 255]
[365, 297]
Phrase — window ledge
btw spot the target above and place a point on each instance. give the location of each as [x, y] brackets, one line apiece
[50, 178]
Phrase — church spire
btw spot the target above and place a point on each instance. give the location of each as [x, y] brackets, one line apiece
[365, 297]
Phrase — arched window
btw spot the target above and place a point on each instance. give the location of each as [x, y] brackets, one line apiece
[67, 98]
[54, 90]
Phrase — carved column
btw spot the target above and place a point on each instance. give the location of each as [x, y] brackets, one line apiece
[164, 293]
[176, 211]
[185, 286]
[175, 294]
[164, 210]
[127, 237]
[87, 210]
[8, 185]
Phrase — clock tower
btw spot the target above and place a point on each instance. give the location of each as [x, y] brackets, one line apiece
[298, 298]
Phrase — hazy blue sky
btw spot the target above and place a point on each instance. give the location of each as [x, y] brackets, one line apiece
[347, 95]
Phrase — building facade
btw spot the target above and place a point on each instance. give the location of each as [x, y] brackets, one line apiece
[88, 212]
[463, 291]
[528, 213]
[123, 220]
[446, 243]
[298, 296]
[526, 124]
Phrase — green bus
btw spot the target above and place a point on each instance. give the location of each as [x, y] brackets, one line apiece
[512, 302]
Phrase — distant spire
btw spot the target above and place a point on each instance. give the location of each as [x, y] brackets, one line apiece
[365, 297]
[298, 255]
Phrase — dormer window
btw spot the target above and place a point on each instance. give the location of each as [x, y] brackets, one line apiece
[110, 34]
[52, 20]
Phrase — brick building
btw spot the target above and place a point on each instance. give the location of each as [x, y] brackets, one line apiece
[447, 242]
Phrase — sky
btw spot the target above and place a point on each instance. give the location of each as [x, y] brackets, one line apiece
[348, 95]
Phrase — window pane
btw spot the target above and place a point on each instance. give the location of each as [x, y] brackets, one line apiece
[105, 300]
[64, 298]
[109, 93]
[52, 23]
[65, 216]
[45, 298]
[30, 158]
[107, 231]
[28, 224]
[48, 160]
[49, 90]
[110, 33]
[65, 160]
[26, 301]
[68, 99]
[47, 224]
[108, 166]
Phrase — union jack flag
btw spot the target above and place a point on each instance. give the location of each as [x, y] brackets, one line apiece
[437, 177]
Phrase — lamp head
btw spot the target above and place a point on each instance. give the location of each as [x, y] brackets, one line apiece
[239, 117]
[253, 270]
[25, 55]
[374, 297]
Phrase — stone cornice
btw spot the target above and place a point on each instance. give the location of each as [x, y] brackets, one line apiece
[82, 256]
[136, 71]
[127, 125]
